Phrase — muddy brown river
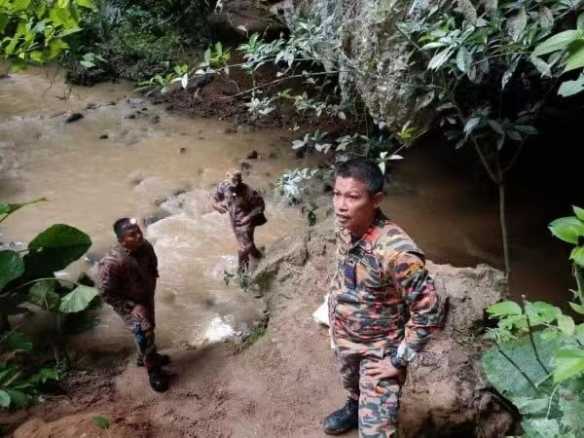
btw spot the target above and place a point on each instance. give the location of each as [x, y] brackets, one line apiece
[127, 157]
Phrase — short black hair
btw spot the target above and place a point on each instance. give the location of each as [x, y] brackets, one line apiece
[122, 225]
[363, 170]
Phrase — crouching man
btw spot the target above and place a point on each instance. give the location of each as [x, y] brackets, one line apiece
[127, 281]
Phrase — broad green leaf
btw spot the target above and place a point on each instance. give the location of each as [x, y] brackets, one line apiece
[517, 24]
[101, 422]
[570, 88]
[542, 312]
[43, 295]
[543, 67]
[54, 249]
[579, 212]
[529, 405]
[37, 56]
[86, 4]
[566, 325]
[558, 41]
[576, 58]
[56, 47]
[20, 5]
[11, 267]
[4, 399]
[18, 399]
[463, 59]
[525, 129]
[541, 428]
[569, 363]
[577, 255]
[6, 209]
[580, 333]
[440, 58]
[78, 299]
[504, 308]
[572, 413]
[16, 341]
[3, 22]
[568, 229]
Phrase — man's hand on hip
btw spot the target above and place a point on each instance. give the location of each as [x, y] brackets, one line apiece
[383, 369]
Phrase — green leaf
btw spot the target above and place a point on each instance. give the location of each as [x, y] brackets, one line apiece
[56, 47]
[4, 399]
[86, 4]
[580, 332]
[43, 295]
[530, 406]
[463, 59]
[541, 428]
[504, 308]
[78, 299]
[4, 19]
[543, 67]
[20, 5]
[16, 341]
[578, 308]
[440, 58]
[577, 255]
[569, 363]
[557, 42]
[576, 58]
[566, 325]
[54, 249]
[541, 312]
[570, 88]
[568, 229]
[11, 267]
[579, 212]
[18, 399]
[101, 422]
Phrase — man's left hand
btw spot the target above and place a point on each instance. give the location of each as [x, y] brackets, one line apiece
[383, 369]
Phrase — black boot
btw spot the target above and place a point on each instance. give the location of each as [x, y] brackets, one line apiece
[161, 360]
[343, 420]
[158, 379]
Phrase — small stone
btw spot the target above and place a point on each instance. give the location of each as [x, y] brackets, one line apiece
[74, 117]
[244, 165]
[103, 137]
[253, 155]
[182, 150]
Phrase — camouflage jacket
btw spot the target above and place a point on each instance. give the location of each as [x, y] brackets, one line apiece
[126, 279]
[382, 295]
[241, 202]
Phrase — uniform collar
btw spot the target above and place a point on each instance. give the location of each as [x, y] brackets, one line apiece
[368, 239]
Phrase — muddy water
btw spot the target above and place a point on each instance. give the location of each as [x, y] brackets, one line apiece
[128, 157]
[151, 165]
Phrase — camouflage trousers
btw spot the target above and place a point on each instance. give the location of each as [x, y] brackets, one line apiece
[143, 331]
[247, 248]
[378, 398]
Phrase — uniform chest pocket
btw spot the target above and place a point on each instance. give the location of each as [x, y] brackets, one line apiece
[369, 273]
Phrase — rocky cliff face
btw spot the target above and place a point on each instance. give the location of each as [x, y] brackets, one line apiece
[366, 46]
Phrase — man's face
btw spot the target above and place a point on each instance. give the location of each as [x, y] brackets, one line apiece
[236, 181]
[354, 206]
[132, 239]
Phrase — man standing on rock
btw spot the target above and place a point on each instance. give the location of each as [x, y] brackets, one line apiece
[246, 211]
[383, 305]
[127, 280]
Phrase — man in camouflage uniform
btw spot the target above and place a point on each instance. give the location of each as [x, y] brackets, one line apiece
[127, 281]
[383, 305]
[246, 211]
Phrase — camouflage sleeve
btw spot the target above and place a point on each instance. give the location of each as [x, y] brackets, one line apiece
[426, 309]
[111, 284]
[219, 194]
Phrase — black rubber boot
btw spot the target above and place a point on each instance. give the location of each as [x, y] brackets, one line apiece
[162, 360]
[158, 379]
[342, 420]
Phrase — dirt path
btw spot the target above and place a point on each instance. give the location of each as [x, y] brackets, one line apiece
[281, 386]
